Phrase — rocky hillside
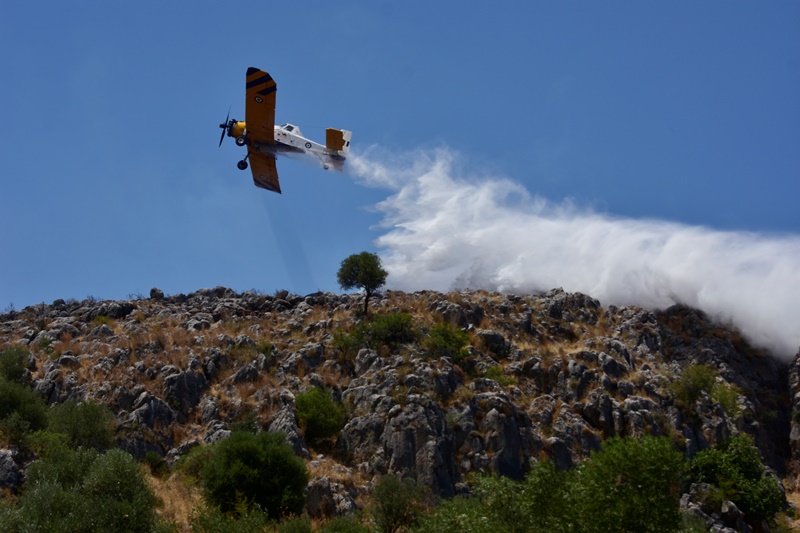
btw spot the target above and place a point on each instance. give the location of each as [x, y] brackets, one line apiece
[543, 376]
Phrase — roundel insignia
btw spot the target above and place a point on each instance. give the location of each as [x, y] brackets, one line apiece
[308, 145]
[259, 99]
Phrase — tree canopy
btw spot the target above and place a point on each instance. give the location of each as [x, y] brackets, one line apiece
[363, 271]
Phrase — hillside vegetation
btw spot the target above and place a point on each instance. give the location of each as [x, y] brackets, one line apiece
[451, 399]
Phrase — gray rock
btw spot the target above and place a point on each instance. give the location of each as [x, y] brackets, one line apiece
[10, 474]
[119, 310]
[493, 342]
[69, 361]
[559, 452]
[156, 294]
[245, 374]
[184, 390]
[286, 422]
[176, 453]
[326, 498]
[209, 411]
[149, 411]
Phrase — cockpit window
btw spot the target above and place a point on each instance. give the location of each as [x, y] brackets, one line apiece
[288, 127]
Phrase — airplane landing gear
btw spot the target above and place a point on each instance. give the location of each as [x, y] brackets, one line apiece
[241, 141]
[242, 165]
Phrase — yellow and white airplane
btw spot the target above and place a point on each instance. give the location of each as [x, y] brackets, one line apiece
[265, 140]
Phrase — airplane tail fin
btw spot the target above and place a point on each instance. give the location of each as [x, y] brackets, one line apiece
[338, 141]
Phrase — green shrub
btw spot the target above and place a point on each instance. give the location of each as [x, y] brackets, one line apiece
[12, 364]
[102, 320]
[296, 524]
[63, 466]
[22, 411]
[319, 416]
[391, 330]
[693, 381]
[727, 396]
[630, 485]
[349, 343]
[82, 490]
[496, 373]
[245, 520]
[193, 462]
[445, 340]
[258, 470]
[546, 495]
[248, 422]
[541, 503]
[461, 514]
[86, 424]
[158, 465]
[344, 524]
[397, 503]
[501, 497]
[736, 469]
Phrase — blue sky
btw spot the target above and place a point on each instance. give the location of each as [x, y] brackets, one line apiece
[112, 182]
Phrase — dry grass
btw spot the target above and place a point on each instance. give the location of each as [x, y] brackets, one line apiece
[178, 499]
[793, 524]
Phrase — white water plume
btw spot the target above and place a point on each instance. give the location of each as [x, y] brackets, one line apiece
[446, 228]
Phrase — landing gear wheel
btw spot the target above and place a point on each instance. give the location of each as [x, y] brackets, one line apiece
[242, 165]
[241, 141]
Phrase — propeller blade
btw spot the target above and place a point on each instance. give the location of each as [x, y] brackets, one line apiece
[224, 127]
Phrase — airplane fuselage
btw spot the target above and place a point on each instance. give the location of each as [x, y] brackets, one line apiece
[288, 138]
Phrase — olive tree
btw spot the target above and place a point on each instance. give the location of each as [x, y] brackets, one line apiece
[363, 271]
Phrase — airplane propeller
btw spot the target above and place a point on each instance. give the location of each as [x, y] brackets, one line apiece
[224, 127]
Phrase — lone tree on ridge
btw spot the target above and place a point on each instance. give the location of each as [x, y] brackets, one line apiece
[363, 271]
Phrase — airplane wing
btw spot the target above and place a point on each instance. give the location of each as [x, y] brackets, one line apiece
[260, 108]
[265, 173]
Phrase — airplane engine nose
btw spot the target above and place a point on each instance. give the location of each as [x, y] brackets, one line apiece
[236, 129]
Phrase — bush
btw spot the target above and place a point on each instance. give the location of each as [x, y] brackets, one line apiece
[260, 469]
[397, 503]
[193, 462]
[546, 494]
[541, 503]
[630, 485]
[22, 411]
[495, 373]
[252, 520]
[445, 340]
[82, 490]
[349, 343]
[344, 524]
[12, 364]
[501, 498]
[320, 417]
[735, 468]
[391, 330]
[727, 396]
[158, 465]
[693, 381]
[87, 424]
[464, 515]
[296, 524]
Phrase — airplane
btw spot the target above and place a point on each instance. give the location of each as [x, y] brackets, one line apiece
[265, 140]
